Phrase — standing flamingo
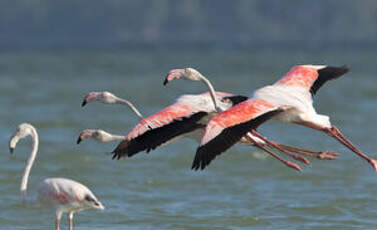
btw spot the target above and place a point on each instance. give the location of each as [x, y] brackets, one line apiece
[194, 75]
[66, 195]
[289, 100]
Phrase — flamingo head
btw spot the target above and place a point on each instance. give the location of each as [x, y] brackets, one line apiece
[91, 202]
[96, 134]
[104, 97]
[23, 131]
[186, 73]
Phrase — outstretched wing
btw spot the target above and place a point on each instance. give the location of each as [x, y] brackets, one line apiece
[311, 77]
[159, 128]
[227, 128]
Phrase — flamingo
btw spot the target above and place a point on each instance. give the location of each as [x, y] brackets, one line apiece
[109, 98]
[185, 118]
[194, 75]
[289, 100]
[66, 195]
[98, 135]
[190, 129]
[105, 98]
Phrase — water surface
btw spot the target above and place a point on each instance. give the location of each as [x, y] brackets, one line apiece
[242, 189]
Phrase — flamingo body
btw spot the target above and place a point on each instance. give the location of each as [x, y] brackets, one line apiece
[67, 195]
[294, 93]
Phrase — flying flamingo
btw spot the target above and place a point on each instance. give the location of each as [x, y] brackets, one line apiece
[109, 98]
[106, 98]
[66, 195]
[98, 135]
[289, 100]
[185, 118]
[194, 75]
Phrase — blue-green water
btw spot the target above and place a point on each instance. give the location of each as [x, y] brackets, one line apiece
[242, 189]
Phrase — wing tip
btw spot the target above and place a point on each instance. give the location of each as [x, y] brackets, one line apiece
[120, 151]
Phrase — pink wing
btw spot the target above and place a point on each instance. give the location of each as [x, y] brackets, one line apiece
[227, 128]
[161, 118]
[159, 128]
[311, 77]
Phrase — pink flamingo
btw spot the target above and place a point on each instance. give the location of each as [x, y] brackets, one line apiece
[185, 118]
[289, 100]
[66, 195]
[194, 75]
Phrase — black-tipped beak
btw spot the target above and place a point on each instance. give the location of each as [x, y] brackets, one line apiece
[78, 140]
[11, 150]
[166, 81]
[83, 103]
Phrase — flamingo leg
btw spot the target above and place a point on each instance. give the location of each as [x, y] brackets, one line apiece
[70, 220]
[335, 133]
[276, 146]
[287, 163]
[322, 155]
[57, 224]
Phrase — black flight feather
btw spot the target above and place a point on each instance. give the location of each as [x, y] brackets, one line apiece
[226, 139]
[325, 74]
[153, 138]
[235, 99]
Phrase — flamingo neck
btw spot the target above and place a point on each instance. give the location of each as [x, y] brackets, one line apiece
[28, 166]
[129, 104]
[212, 92]
[111, 137]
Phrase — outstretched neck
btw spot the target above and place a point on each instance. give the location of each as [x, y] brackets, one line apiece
[111, 137]
[29, 164]
[212, 92]
[129, 104]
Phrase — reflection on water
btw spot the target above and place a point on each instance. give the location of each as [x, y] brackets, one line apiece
[239, 190]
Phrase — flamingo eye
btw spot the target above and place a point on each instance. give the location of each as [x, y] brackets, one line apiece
[89, 198]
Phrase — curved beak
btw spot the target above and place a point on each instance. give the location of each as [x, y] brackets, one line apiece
[79, 140]
[173, 74]
[13, 142]
[99, 205]
[92, 96]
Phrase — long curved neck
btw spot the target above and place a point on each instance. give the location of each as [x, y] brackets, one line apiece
[29, 164]
[112, 137]
[212, 92]
[129, 104]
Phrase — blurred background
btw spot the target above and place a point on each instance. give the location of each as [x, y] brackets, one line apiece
[208, 24]
[53, 53]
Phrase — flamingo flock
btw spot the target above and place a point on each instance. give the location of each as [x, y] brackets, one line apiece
[216, 120]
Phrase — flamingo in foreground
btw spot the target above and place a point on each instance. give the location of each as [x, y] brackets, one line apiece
[194, 75]
[64, 194]
[289, 100]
